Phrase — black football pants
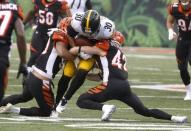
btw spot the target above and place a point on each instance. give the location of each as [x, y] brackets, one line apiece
[118, 90]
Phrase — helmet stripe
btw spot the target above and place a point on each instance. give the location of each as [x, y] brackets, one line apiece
[88, 22]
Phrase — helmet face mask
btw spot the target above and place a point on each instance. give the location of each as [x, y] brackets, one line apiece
[186, 4]
[90, 22]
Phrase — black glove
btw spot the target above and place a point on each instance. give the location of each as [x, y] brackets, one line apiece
[22, 70]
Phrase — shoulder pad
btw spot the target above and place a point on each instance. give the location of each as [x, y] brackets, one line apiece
[76, 21]
[107, 28]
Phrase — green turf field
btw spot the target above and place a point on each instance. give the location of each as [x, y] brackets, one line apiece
[145, 68]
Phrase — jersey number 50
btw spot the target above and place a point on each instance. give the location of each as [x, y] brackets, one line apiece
[45, 17]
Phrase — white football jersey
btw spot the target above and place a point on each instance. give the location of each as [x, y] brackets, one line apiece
[77, 5]
[105, 31]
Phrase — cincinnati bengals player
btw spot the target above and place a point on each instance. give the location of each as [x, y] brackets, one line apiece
[94, 27]
[38, 82]
[47, 13]
[180, 13]
[114, 86]
[11, 16]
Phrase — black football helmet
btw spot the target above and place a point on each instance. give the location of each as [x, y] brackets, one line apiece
[90, 21]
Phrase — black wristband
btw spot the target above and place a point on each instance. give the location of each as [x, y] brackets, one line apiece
[79, 49]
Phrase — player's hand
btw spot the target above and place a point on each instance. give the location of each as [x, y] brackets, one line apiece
[171, 34]
[52, 30]
[22, 70]
[84, 55]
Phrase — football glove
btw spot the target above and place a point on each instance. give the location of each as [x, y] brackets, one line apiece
[84, 55]
[171, 34]
[22, 70]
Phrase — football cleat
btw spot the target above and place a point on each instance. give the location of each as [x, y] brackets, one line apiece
[107, 112]
[179, 119]
[6, 109]
[54, 114]
[188, 95]
[61, 106]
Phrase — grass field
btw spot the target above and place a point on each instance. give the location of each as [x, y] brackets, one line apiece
[152, 68]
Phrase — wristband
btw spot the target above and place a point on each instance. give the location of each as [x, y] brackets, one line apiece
[79, 49]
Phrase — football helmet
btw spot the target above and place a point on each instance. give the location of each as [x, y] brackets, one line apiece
[186, 4]
[90, 22]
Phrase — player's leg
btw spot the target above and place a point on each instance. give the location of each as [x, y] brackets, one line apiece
[83, 68]
[3, 79]
[42, 92]
[68, 73]
[133, 101]
[93, 100]
[79, 78]
[18, 98]
[182, 56]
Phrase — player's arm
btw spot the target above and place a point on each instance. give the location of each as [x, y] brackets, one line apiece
[21, 45]
[89, 4]
[63, 52]
[92, 50]
[170, 24]
[170, 21]
[30, 15]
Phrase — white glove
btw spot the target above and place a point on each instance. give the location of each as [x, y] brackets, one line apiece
[52, 30]
[85, 56]
[171, 34]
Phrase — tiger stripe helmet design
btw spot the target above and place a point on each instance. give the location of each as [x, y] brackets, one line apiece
[90, 21]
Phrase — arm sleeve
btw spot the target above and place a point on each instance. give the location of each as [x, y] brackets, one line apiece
[71, 32]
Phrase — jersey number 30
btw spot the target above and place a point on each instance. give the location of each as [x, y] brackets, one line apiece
[5, 18]
[119, 60]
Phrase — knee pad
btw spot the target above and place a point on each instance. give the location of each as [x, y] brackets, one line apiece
[69, 69]
[86, 64]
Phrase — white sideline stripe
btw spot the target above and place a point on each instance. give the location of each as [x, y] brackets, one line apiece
[132, 126]
[59, 119]
[167, 87]
[163, 97]
[122, 123]
[165, 57]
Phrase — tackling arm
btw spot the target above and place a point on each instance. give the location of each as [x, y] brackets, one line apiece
[21, 44]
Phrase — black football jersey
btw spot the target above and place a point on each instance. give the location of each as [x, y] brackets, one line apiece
[49, 62]
[183, 20]
[113, 65]
[48, 13]
[9, 13]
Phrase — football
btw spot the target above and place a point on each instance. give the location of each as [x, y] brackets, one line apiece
[82, 41]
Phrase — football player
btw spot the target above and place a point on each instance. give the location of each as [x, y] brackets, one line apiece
[179, 13]
[38, 84]
[47, 14]
[11, 17]
[70, 66]
[114, 86]
[94, 27]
